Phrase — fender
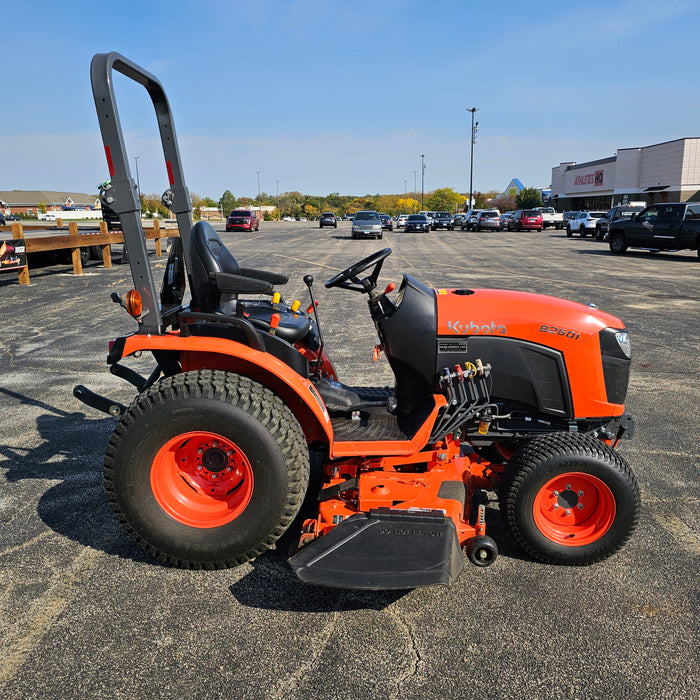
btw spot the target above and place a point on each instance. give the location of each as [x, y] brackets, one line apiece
[202, 352]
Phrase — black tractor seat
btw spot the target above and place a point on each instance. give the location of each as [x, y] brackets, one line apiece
[216, 280]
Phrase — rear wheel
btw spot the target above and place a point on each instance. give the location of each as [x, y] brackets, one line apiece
[569, 499]
[206, 469]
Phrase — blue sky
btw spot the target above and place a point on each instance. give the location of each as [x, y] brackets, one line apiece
[329, 96]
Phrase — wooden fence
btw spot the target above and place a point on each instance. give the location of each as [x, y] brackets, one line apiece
[74, 239]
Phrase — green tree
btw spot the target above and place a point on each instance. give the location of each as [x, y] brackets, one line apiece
[444, 199]
[227, 202]
[528, 198]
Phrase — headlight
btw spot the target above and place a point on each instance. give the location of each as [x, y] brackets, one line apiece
[623, 340]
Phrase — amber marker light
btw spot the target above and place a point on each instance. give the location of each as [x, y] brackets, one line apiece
[133, 303]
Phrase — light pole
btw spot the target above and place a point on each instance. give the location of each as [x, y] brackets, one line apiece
[138, 184]
[415, 187]
[277, 199]
[405, 185]
[422, 181]
[471, 154]
[259, 207]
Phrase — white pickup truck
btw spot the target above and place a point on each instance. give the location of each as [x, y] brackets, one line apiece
[551, 218]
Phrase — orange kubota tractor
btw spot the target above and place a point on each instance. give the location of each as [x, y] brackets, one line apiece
[516, 393]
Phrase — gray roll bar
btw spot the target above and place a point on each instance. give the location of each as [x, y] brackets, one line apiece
[121, 193]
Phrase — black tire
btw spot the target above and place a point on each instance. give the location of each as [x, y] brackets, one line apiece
[569, 232]
[582, 232]
[617, 243]
[164, 426]
[543, 521]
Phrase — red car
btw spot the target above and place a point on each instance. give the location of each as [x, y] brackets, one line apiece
[526, 219]
[242, 220]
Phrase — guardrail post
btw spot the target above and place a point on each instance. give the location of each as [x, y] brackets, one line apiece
[75, 251]
[156, 231]
[106, 249]
[18, 232]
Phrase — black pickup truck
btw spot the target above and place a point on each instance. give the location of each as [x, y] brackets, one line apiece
[671, 226]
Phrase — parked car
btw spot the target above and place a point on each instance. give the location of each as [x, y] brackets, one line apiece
[417, 222]
[584, 223]
[288, 218]
[327, 219]
[488, 220]
[387, 223]
[347, 217]
[550, 217]
[429, 214]
[242, 220]
[621, 211]
[456, 221]
[504, 219]
[441, 219]
[12, 217]
[367, 224]
[668, 226]
[401, 220]
[470, 218]
[526, 220]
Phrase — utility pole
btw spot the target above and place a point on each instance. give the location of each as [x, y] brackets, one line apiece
[471, 156]
[422, 181]
[415, 188]
[405, 191]
[259, 207]
[277, 200]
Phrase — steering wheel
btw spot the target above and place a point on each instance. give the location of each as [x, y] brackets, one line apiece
[369, 283]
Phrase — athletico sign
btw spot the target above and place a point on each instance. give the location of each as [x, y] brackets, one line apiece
[595, 179]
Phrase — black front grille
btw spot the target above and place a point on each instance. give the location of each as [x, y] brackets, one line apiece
[616, 373]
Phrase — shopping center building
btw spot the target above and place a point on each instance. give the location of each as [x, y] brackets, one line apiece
[664, 172]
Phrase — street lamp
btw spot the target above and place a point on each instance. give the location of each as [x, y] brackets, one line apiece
[471, 154]
[422, 181]
[259, 207]
[405, 185]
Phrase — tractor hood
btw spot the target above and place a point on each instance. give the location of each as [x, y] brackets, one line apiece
[558, 323]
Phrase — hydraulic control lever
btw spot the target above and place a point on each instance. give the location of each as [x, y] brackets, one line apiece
[309, 281]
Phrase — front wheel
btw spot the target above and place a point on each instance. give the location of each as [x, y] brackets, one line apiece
[582, 232]
[569, 232]
[206, 470]
[569, 499]
[617, 243]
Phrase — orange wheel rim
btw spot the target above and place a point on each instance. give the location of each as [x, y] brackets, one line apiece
[574, 509]
[201, 479]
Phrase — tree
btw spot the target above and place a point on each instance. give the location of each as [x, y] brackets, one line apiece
[227, 202]
[444, 199]
[406, 205]
[528, 198]
[504, 202]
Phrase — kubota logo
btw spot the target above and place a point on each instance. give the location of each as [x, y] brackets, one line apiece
[470, 328]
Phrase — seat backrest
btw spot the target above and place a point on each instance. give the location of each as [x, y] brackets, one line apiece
[208, 254]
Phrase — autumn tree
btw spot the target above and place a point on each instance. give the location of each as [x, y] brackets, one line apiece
[444, 199]
[528, 198]
[504, 202]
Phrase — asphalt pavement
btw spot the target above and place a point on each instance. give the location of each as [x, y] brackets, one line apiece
[84, 612]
